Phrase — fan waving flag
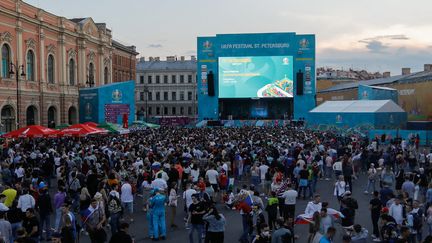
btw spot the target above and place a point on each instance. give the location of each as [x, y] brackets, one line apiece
[306, 218]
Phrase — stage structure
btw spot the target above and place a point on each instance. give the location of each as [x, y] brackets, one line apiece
[256, 76]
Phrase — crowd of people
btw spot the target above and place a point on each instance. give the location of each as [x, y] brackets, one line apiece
[66, 188]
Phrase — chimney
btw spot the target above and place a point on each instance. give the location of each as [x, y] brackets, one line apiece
[151, 59]
[142, 59]
[170, 58]
[406, 71]
[428, 67]
[386, 74]
[193, 58]
[157, 59]
[182, 58]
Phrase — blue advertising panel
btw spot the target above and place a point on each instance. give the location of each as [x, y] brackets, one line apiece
[256, 66]
[108, 103]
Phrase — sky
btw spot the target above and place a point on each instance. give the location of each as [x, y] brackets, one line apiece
[376, 35]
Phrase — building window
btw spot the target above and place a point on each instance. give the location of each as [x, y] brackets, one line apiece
[165, 110]
[189, 78]
[189, 110]
[173, 111]
[165, 95]
[30, 65]
[141, 95]
[150, 110]
[91, 76]
[6, 61]
[150, 96]
[173, 79]
[181, 79]
[157, 79]
[182, 110]
[181, 95]
[165, 79]
[157, 95]
[71, 72]
[157, 110]
[149, 79]
[173, 96]
[51, 69]
[141, 79]
[189, 95]
[106, 75]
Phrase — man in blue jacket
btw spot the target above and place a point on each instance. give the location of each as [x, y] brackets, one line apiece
[157, 204]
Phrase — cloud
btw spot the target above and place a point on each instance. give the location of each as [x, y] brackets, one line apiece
[393, 59]
[190, 52]
[378, 43]
[376, 46]
[155, 46]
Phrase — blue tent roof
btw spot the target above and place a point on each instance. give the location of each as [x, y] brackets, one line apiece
[414, 77]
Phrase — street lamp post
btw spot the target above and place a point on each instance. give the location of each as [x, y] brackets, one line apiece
[11, 72]
[90, 80]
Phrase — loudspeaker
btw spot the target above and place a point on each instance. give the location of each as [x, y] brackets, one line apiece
[299, 80]
[214, 123]
[210, 83]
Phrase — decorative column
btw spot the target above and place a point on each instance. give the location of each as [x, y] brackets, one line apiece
[101, 67]
[82, 70]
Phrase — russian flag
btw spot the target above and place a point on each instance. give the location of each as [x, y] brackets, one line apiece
[248, 200]
[305, 218]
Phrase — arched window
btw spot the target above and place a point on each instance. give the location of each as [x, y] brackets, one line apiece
[71, 72]
[106, 75]
[30, 65]
[91, 75]
[50, 69]
[5, 61]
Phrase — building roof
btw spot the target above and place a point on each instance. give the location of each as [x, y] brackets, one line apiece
[358, 106]
[378, 87]
[167, 65]
[129, 49]
[77, 20]
[413, 77]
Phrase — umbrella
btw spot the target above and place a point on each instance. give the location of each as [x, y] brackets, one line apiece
[91, 124]
[80, 130]
[33, 131]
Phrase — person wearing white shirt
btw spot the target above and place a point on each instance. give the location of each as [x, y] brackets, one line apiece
[337, 168]
[396, 211]
[126, 198]
[187, 197]
[290, 196]
[159, 183]
[314, 206]
[212, 176]
[26, 201]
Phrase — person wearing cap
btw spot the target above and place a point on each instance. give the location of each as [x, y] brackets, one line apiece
[115, 209]
[157, 204]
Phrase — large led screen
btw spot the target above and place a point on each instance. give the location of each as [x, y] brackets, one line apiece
[256, 77]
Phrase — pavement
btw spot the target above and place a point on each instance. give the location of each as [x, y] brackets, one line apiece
[139, 228]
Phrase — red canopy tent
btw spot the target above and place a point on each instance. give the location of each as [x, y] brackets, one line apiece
[91, 124]
[80, 130]
[33, 131]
